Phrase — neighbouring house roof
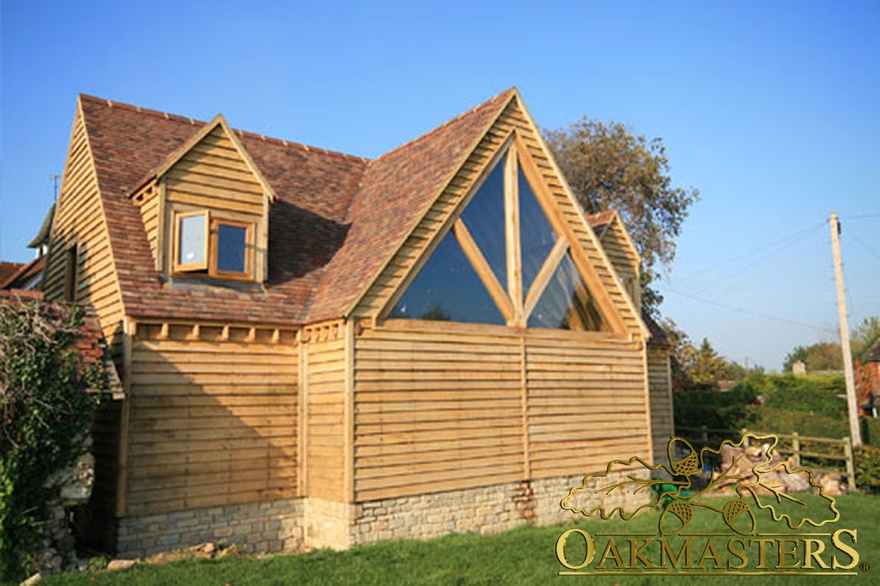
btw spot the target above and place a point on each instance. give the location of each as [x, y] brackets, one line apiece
[7, 269]
[23, 274]
[42, 237]
[335, 221]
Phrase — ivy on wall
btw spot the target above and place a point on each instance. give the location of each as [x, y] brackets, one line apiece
[45, 417]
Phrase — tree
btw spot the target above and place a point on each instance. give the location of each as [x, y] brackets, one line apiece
[865, 334]
[707, 366]
[822, 356]
[608, 167]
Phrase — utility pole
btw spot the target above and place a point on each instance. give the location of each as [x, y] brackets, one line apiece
[855, 432]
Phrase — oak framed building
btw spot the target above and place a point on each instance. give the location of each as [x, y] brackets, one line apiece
[321, 350]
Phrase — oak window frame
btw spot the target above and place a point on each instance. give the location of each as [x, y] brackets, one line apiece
[209, 268]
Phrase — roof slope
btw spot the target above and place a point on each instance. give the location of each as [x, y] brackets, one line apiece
[336, 220]
[397, 190]
[24, 273]
[314, 189]
[8, 270]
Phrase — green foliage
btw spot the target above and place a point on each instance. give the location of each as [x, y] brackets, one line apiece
[609, 167]
[867, 464]
[45, 412]
[822, 356]
[715, 409]
[816, 395]
[865, 334]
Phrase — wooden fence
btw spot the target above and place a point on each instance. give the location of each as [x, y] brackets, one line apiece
[814, 449]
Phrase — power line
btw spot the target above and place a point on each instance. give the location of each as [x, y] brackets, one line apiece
[777, 246]
[861, 217]
[859, 241]
[747, 311]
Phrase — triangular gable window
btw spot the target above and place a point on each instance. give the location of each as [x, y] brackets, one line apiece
[448, 289]
[503, 262]
[566, 303]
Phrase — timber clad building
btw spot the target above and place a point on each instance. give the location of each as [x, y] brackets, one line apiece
[318, 349]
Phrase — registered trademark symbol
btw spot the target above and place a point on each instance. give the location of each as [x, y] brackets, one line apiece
[864, 566]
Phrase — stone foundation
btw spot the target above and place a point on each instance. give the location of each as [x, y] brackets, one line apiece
[252, 527]
[309, 523]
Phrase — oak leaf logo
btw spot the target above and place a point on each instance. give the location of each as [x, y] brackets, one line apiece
[763, 481]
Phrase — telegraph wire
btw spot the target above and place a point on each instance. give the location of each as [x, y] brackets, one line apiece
[849, 233]
[746, 311]
[778, 245]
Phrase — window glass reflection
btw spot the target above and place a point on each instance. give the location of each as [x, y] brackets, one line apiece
[448, 289]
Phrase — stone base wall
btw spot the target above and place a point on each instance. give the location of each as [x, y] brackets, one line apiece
[253, 527]
[327, 524]
[490, 509]
[309, 523]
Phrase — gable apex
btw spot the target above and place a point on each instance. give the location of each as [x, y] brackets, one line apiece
[199, 136]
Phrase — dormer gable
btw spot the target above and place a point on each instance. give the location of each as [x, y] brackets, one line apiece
[205, 209]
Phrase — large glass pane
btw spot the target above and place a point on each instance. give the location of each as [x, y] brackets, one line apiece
[231, 248]
[484, 218]
[536, 233]
[191, 250]
[566, 302]
[448, 289]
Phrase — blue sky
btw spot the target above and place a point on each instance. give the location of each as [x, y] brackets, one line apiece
[769, 109]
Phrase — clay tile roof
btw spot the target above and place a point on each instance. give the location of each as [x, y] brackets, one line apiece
[24, 272]
[600, 219]
[335, 222]
[658, 336]
[8, 269]
[395, 193]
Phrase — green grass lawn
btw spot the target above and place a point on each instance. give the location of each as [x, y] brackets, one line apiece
[523, 556]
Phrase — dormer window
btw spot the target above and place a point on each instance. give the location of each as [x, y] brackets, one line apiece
[213, 246]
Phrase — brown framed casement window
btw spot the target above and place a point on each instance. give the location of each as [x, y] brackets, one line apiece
[213, 246]
[231, 249]
[191, 242]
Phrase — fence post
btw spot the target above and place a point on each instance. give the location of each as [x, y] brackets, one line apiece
[704, 434]
[850, 466]
[796, 448]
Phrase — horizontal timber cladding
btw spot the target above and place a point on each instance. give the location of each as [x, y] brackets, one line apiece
[442, 406]
[213, 175]
[587, 404]
[660, 384]
[325, 413]
[79, 220]
[435, 411]
[212, 422]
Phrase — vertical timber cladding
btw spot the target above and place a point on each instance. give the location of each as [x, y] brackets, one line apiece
[438, 406]
[213, 417]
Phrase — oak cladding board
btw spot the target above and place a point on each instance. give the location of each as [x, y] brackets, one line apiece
[80, 220]
[195, 408]
[324, 414]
